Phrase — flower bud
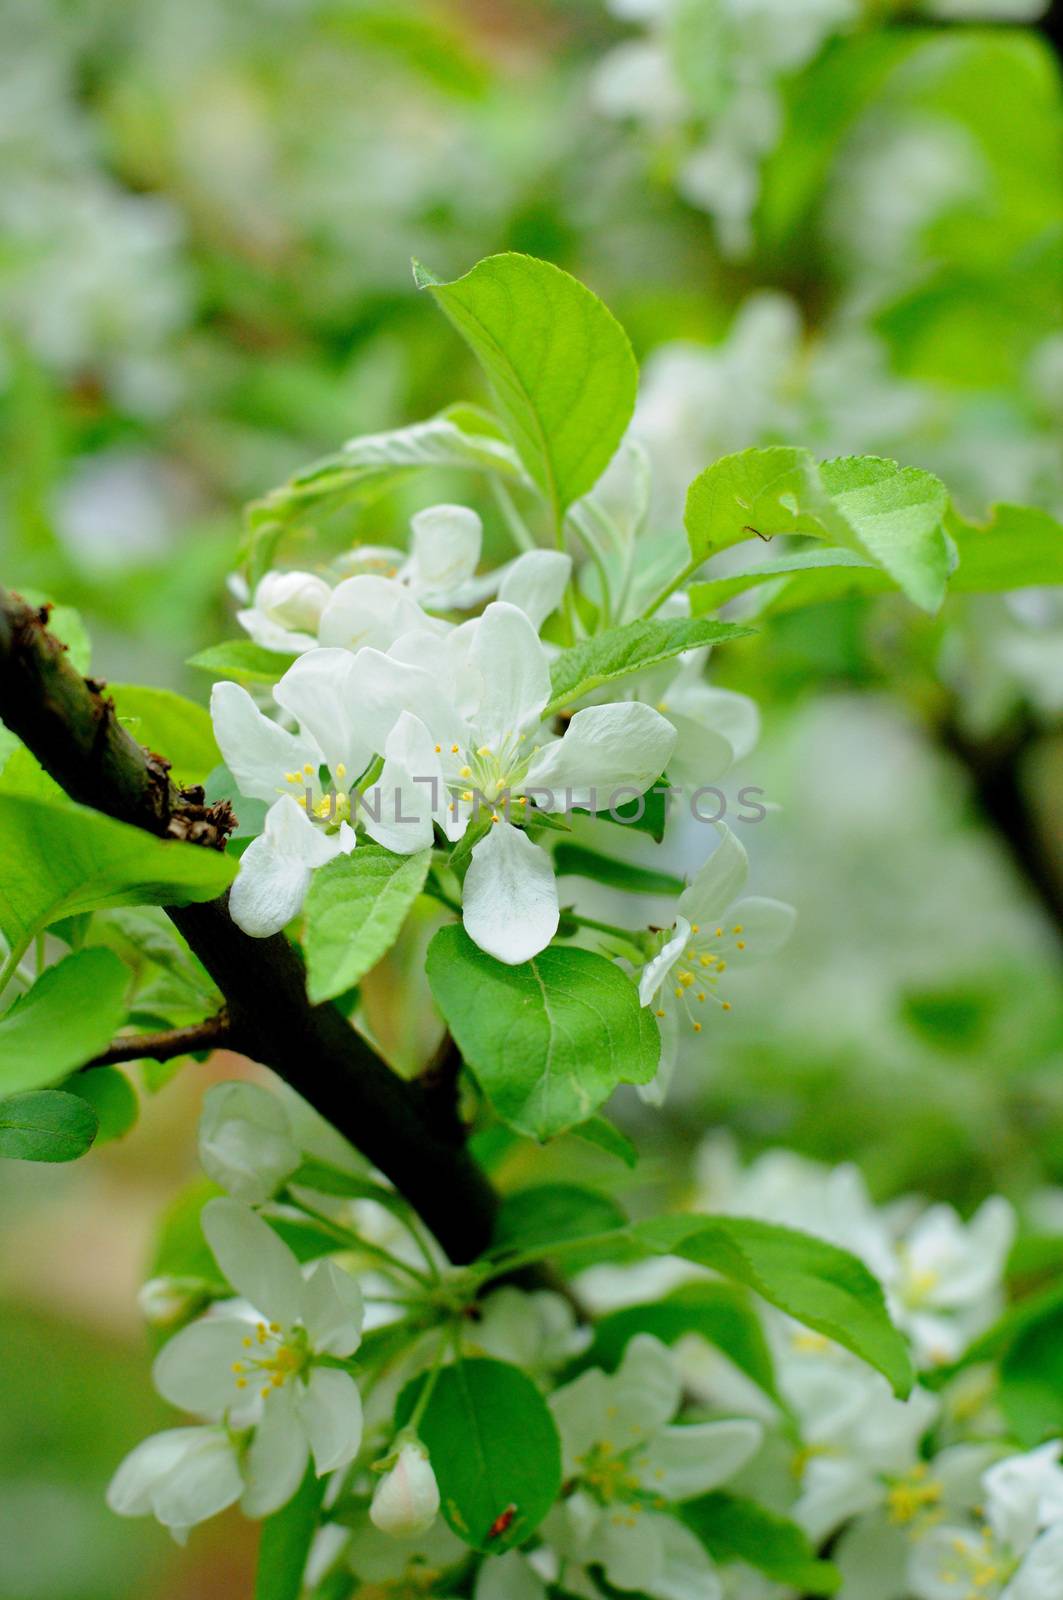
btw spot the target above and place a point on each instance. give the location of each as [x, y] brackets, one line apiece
[407, 1496]
[293, 599]
[164, 1301]
[245, 1141]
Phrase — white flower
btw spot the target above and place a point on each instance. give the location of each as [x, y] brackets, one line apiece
[948, 1282]
[403, 1565]
[624, 1463]
[258, 1365]
[478, 697]
[406, 1499]
[286, 611]
[270, 763]
[180, 1477]
[245, 1141]
[713, 930]
[1017, 1554]
[535, 1331]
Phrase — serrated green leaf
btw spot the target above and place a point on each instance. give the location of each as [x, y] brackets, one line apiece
[171, 726]
[242, 661]
[64, 858]
[545, 1213]
[549, 1040]
[884, 513]
[635, 647]
[1019, 547]
[600, 1132]
[509, 1460]
[805, 577]
[69, 1015]
[560, 364]
[45, 1125]
[731, 1528]
[354, 911]
[577, 860]
[718, 1312]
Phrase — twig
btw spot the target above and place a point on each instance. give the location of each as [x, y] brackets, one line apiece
[211, 1034]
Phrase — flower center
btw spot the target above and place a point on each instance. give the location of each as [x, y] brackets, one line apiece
[608, 1476]
[696, 977]
[488, 773]
[330, 806]
[272, 1357]
[981, 1566]
[915, 1501]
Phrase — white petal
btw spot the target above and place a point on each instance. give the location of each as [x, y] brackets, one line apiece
[687, 1571]
[331, 1411]
[203, 1482]
[369, 611]
[274, 635]
[766, 926]
[274, 872]
[644, 1392]
[245, 1141]
[398, 810]
[734, 717]
[194, 1369]
[613, 748]
[293, 599]
[717, 882]
[941, 1561]
[255, 1261]
[628, 1545]
[317, 691]
[655, 1092]
[656, 971]
[507, 652]
[276, 1461]
[508, 1577]
[680, 1463]
[139, 1482]
[535, 583]
[700, 758]
[383, 688]
[581, 1411]
[332, 1310]
[509, 899]
[1041, 1574]
[257, 751]
[445, 548]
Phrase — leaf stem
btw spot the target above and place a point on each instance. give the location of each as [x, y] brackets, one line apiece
[518, 529]
[11, 965]
[676, 583]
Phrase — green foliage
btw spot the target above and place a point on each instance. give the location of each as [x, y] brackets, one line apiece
[64, 859]
[111, 1096]
[560, 364]
[1018, 548]
[731, 1528]
[354, 911]
[546, 1213]
[600, 1132]
[171, 726]
[68, 1016]
[45, 1125]
[621, 652]
[509, 1459]
[549, 1040]
[242, 661]
[887, 514]
[286, 1539]
[577, 860]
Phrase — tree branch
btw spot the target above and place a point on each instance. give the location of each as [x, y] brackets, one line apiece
[212, 1034]
[71, 727]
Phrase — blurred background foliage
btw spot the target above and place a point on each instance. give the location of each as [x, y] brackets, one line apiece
[836, 223]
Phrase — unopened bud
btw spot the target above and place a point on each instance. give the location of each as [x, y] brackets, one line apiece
[293, 599]
[407, 1496]
[245, 1141]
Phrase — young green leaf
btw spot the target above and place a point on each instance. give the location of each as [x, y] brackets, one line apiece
[354, 911]
[1019, 547]
[242, 661]
[69, 1015]
[45, 1125]
[732, 1528]
[560, 364]
[170, 724]
[285, 1542]
[111, 1096]
[806, 577]
[1031, 1382]
[63, 858]
[548, 1040]
[884, 513]
[635, 647]
[494, 1448]
[580, 862]
[544, 1213]
[599, 1131]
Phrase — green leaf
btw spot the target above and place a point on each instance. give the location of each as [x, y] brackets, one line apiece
[731, 1528]
[545, 1213]
[354, 911]
[803, 578]
[285, 1541]
[63, 859]
[548, 1040]
[69, 1015]
[598, 1131]
[635, 647]
[111, 1096]
[171, 726]
[242, 661]
[887, 514]
[494, 1448]
[1031, 1382]
[560, 364]
[577, 860]
[814, 1282]
[45, 1125]
[719, 1313]
[1018, 548]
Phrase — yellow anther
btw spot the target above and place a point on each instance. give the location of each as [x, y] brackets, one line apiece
[694, 928]
[439, 747]
[726, 1005]
[662, 705]
[484, 750]
[685, 978]
[238, 1367]
[274, 1327]
[738, 928]
[719, 933]
[701, 994]
[722, 967]
[740, 944]
[658, 1013]
[300, 799]
[453, 749]
[466, 794]
[679, 994]
[247, 1343]
[341, 770]
[308, 767]
[465, 772]
[706, 961]
[241, 1383]
[697, 1027]
[495, 817]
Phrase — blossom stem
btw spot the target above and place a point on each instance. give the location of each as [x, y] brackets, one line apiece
[12, 964]
[355, 1241]
[670, 588]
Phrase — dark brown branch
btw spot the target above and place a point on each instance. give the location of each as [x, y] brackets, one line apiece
[71, 727]
[214, 1033]
[996, 768]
